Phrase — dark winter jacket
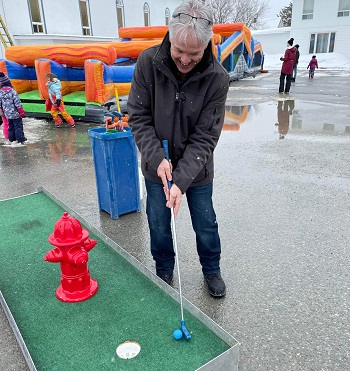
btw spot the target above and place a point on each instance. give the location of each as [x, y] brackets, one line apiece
[297, 55]
[189, 114]
[288, 61]
[10, 103]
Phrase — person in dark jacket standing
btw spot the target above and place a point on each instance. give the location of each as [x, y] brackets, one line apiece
[287, 67]
[295, 69]
[178, 93]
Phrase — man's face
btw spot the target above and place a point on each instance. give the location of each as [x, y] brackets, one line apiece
[186, 56]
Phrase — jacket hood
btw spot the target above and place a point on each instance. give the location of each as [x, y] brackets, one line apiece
[53, 82]
[6, 91]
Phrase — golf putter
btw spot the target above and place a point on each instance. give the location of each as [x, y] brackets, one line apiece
[183, 327]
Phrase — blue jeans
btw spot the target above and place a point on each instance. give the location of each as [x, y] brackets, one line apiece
[199, 200]
[295, 71]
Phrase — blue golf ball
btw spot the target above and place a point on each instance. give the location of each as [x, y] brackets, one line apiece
[177, 334]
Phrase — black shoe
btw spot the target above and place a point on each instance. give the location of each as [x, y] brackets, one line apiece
[216, 285]
[166, 277]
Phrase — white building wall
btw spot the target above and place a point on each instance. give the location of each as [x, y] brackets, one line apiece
[134, 10]
[273, 41]
[63, 22]
[15, 13]
[325, 20]
[62, 17]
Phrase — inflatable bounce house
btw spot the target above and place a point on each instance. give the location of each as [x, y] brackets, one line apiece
[96, 77]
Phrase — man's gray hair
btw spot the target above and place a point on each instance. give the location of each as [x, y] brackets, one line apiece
[198, 29]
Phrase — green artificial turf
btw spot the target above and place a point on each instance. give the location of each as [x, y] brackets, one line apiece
[32, 102]
[84, 335]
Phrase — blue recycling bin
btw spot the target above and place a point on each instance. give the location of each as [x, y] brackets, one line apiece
[116, 171]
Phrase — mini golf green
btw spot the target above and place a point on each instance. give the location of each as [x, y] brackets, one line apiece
[84, 335]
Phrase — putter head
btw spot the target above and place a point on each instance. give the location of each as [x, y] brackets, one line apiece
[184, 330]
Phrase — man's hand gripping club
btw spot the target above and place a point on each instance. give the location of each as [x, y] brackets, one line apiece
[172, 192]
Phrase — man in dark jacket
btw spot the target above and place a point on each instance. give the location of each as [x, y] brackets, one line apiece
[178, 94]
[295, 69]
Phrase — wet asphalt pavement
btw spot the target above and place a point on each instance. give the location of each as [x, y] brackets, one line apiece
[282, 188]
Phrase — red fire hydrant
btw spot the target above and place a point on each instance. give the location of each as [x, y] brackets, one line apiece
[71, 251]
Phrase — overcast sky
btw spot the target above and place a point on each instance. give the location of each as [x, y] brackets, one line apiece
[275, 7]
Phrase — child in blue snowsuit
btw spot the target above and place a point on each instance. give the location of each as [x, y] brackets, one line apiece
[11, 108]
[56, 104]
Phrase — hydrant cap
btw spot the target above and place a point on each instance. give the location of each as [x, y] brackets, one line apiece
[68, 232]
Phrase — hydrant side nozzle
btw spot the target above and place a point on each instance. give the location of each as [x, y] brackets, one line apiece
[89, 244]
[79, 258]
[54, 255]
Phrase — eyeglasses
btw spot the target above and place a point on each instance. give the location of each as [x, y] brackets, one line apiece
[186, 18]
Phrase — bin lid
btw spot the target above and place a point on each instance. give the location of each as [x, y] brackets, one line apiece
[100, 133]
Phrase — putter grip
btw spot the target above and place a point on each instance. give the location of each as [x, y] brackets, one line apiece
[166, 150]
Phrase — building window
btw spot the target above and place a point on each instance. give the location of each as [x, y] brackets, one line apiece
[146, 14]
[344, 8]
[120, 13]
[322, 43]
[167, 16]
[308, 9]
[85, 17]
[36, 12]
[312, 43]
[331, 43]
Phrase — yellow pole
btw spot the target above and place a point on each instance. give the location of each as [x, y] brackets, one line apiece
[117, 98]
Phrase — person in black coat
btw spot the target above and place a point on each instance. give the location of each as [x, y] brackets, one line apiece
[178, 94]
[295, 69]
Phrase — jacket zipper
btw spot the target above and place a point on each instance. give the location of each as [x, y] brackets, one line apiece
[177, 102]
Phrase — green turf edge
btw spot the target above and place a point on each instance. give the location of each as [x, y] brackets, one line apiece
[72, 341]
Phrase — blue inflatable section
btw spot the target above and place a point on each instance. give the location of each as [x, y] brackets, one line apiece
[19, 71]
[118, 73]
[65, 73]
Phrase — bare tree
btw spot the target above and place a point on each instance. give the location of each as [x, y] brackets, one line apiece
[286, 15]
[250, 12]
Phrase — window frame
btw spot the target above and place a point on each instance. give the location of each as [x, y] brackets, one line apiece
[315, 42]
[343, 11]
[120, 9]
[88, 17]
[34, 24]
[146, 13]
[167, 16]
[307, 15]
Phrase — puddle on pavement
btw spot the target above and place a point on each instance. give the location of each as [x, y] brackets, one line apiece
[287, 118]
[57, 144]
[279, 119]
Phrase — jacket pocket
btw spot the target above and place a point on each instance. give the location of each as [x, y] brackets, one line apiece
[213, 118]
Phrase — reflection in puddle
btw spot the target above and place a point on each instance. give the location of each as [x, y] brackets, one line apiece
[64, 145]
[284, 110]
[286, 117]
[235, 116]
